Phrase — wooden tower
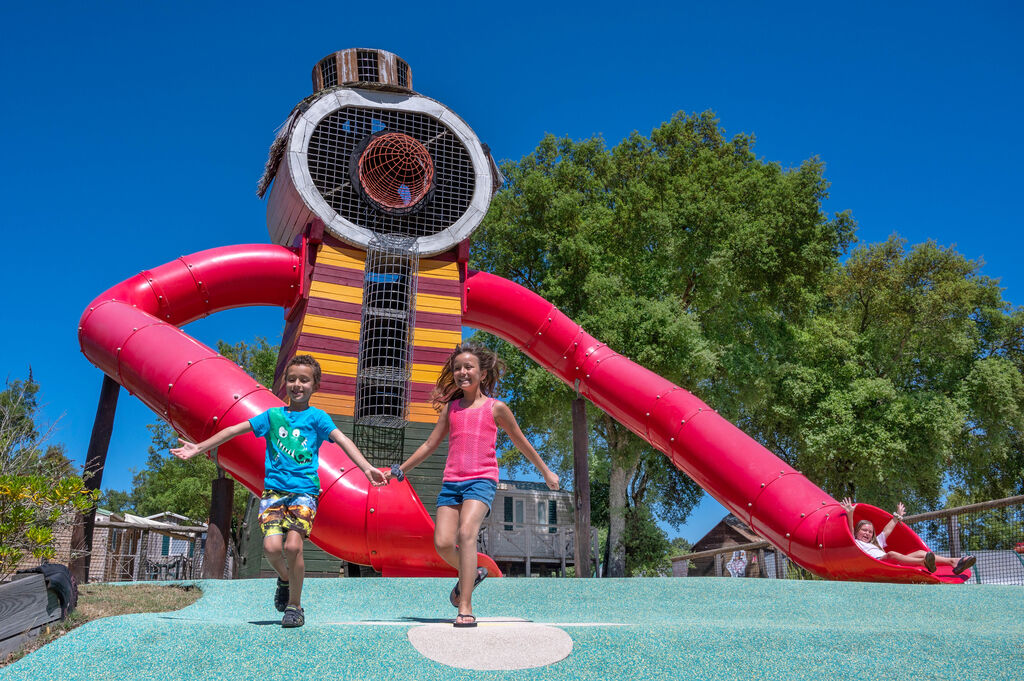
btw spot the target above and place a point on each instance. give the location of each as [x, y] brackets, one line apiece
[380, 187]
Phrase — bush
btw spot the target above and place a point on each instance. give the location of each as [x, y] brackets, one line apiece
[39, 492]
[33, 510]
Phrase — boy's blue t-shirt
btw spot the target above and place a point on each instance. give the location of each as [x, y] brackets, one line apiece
[293, 445]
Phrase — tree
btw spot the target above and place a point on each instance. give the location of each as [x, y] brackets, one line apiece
[258, 358]
[907, 379]
[115, 501]
[39, 492]
[682, 251]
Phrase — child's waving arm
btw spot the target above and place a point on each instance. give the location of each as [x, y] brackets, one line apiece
[847, 505]
[374, 475]
[189, 449]
[504, 418]
[896, 519]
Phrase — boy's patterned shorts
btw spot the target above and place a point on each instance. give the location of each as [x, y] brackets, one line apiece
[283, 511]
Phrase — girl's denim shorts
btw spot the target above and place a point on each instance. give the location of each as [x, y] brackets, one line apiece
[454, 492]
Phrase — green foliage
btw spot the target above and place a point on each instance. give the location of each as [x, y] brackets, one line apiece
[39, 493]
[682, 251]
[116, 501]
[907, 378]
[648, 550]
[258, 358]
[18, 434]
[32, 508]
[680, 547]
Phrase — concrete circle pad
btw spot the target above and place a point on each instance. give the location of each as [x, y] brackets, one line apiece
[496, 643]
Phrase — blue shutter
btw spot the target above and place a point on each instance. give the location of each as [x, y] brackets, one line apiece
[508, 514]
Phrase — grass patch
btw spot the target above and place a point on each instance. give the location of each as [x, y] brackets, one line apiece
[96, 601]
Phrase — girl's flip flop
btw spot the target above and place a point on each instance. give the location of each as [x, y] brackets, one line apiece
[464, 624]
[481, 575]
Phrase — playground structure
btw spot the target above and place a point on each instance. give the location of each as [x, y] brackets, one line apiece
[375, 193]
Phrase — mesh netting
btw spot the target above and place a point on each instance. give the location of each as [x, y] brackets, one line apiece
[337, 139]
[396, 171]
[385, 337]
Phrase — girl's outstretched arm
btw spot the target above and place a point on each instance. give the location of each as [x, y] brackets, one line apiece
[428, 446]
[847, 505]
[896, 519]
[504, 418]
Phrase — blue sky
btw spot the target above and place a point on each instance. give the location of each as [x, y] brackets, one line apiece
[136, 132]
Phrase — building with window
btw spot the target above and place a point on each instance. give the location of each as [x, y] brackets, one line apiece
[530, 531]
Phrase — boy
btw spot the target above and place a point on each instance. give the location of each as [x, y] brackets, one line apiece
[291, 484]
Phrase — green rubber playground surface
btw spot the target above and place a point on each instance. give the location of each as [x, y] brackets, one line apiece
[689, 628]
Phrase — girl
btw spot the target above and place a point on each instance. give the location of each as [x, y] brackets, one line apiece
[469, 415]
[874, 545]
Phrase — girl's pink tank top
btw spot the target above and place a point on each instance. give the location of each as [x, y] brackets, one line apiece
[472, 433]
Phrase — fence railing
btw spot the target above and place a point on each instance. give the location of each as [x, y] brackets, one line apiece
[991, 531]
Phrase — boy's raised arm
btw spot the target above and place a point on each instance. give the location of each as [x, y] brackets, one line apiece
[372, 474]
[189, 449]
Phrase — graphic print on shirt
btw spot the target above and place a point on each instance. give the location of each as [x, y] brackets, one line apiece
[286, 440]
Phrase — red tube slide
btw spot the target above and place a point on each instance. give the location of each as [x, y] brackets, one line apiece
[774, 499]
[130, 332]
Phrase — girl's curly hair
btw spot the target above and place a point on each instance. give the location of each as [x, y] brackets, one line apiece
[491, 369]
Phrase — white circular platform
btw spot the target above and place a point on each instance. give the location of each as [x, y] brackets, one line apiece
[496, 643]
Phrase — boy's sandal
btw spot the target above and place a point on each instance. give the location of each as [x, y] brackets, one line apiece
[964, 563]
[281, 595]
[293, 617]
[453, 597]
[929, 562]
[464, 621]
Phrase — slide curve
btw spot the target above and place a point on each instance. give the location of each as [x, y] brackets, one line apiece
[769, 495]
[131, 333]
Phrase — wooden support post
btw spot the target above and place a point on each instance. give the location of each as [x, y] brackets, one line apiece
[218, 531]
[139, 553]
[561, 551]
[95, 460]
[954, 536]
[581, 487]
